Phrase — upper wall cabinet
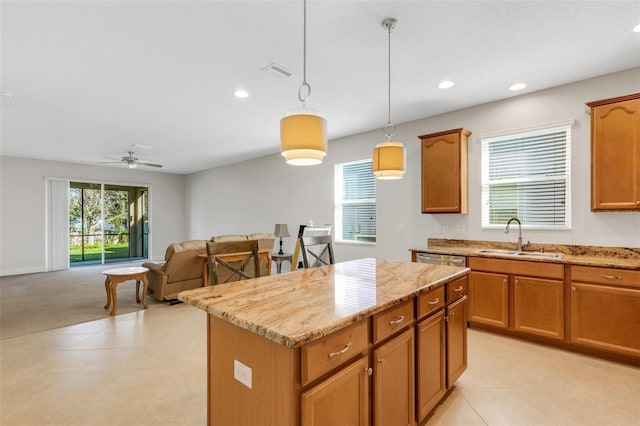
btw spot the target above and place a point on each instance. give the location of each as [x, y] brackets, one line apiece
[444, 171]
[615, 153]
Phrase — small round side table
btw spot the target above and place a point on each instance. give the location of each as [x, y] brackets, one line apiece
[279, 258]
[118, 275]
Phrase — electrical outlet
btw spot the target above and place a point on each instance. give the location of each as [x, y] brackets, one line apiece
[242, 373]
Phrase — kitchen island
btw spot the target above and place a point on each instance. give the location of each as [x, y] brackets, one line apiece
[341, 344]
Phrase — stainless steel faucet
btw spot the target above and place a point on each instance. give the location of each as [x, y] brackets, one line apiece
[506, 231]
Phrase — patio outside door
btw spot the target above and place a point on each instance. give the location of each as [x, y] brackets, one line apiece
[107, 223]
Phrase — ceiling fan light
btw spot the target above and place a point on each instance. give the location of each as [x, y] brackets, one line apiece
[303, 137]
[388, 160]
[132, 165]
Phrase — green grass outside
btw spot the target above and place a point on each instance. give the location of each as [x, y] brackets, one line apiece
[113, 251]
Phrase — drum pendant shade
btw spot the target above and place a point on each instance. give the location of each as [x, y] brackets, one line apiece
[303, 137]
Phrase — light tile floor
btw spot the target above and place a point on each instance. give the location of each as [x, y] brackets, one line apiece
[148, 368]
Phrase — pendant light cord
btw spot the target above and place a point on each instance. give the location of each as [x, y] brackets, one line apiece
[304, 85]
[389, 129]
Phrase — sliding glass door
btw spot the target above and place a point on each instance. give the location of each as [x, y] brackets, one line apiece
[107, 223]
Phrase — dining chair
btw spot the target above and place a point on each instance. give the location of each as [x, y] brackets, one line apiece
[232, 261]
[318, 249]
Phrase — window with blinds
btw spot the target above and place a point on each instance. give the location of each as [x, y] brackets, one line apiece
[355, 202]
[527, 175]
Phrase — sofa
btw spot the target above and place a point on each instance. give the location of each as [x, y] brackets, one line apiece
[185, 264]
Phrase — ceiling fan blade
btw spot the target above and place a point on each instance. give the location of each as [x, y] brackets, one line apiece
[144, 163]
[111, 162]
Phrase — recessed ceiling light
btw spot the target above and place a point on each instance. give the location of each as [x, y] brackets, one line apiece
[636, 29]
[240, 93]
[517, 86]
[446, 84]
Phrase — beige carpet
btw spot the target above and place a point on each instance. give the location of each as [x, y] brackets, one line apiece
[35, 302]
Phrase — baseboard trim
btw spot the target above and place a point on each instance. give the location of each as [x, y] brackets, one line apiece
[22, 271]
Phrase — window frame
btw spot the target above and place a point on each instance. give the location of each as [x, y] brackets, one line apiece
[339, 202]
[521, 134]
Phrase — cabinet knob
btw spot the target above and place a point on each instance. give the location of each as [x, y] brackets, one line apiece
[381, 361]
[504, 281]
[369, 371]
[638, 203]
[517, 282]
[452, 314]
[573, 288]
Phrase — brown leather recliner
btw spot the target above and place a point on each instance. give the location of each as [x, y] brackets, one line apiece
[182, 270]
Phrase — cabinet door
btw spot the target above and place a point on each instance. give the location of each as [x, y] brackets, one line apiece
[394, 397]
[489, 299]
[430, 363]
[444, 172]
[539, 306]
[615, 156]
[342, 399]
[456, 325]
[606, 318]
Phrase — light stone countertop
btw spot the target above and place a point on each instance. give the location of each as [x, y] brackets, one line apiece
[611, 257]
[296, 308]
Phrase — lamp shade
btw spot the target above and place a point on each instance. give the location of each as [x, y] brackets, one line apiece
[281, 230]
[388, 160]
[303, 137]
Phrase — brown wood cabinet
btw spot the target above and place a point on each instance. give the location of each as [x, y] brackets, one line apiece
[394, 382]
[522, 296]
[539, 306]
[605, 309]
[489, 293]
[342, 399]
[431, 384]
[444, 171]
[615, 153]
[456, 318]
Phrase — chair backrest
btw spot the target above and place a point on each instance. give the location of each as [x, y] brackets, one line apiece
[322, 253]
[232, 261]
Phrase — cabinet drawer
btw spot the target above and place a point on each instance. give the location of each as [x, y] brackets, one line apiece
[331, 351]
[456, 289]
[392, 320]
[610, 276]
[430, 302]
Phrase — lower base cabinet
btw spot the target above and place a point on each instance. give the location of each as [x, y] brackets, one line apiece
[490, 298]
[539, 306]
[343, 399]
[394, 376]
[456, 318]
[606, 317]
[430, 363]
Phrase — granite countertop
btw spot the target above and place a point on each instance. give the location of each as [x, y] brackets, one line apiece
[299, 307]
[612, 257]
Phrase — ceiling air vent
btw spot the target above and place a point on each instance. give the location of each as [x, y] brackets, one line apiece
[278, 70]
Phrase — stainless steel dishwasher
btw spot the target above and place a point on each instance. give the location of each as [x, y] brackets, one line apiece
[441, 259]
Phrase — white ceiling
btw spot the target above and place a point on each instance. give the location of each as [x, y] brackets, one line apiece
[90, 79]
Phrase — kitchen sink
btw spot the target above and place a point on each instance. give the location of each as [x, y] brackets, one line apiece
[537, 254]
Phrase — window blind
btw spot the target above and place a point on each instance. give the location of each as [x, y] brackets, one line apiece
[527, 175]
[355, 189]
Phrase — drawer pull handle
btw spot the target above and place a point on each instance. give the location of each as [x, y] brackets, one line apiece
[611, 277]
[398, 321]
[341, 351]
[458, 289]
[434, 301]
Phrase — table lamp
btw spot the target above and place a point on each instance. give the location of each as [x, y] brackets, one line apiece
[281, 231]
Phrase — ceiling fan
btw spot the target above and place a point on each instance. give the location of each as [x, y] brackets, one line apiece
[131, 161]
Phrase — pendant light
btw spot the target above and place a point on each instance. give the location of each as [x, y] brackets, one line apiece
[389, 157]
[303, 132]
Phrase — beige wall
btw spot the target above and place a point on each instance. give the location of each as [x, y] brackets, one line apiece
[254, 195]
[22, 212]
